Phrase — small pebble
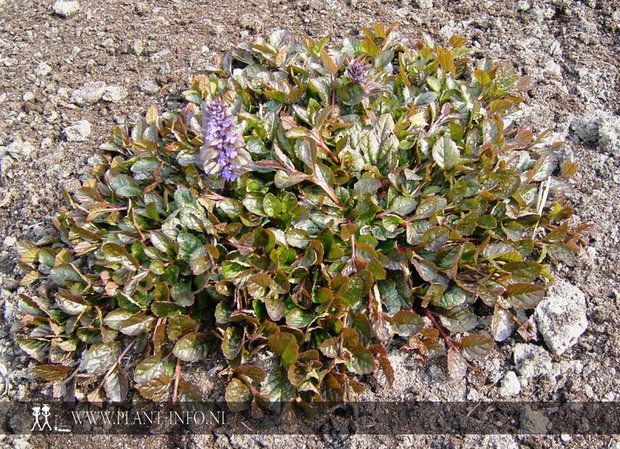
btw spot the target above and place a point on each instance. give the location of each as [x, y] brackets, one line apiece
[149, 87]
[43, 69]
[66, 8]
[78, 132]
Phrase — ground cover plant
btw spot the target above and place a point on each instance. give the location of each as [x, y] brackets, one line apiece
[309, 201]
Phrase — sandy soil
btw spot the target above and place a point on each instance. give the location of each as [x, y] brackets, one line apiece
[146, 53]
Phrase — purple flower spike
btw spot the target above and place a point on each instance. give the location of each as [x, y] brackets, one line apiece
[222, 140]
[357, 72]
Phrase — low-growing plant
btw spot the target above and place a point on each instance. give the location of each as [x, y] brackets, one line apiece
[310, 202]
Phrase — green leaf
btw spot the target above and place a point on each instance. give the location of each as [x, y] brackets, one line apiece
[116, 317]
[165, 309]
[352, 94]
[52, 372]
[477, 346]
[192, 347]
[284, 345]
[298, 238]
[161, 242]
[487, 222]
[63, 273]
[394, 294]
[406, 323]
[299, 318]
[429, 206]
[71, 304]
[403, 205]
[124, 186]
[232, 342]
[354, 293]
[458, 319]
[445, 152]
[116, 386]
[363, 361]
[180, 325]
[454, 296]
[100, 357]
[377, 270]
[523, 295]
[277, 387]
[231, 269]
[367, 185]
[157, 389]
[523, 271]
[188, 243]
[238, 395]
[153, 367]
[36, 348]
[435, 238]
[136, 324]
[271, 205]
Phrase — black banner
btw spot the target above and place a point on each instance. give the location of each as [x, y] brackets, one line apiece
[538, 418]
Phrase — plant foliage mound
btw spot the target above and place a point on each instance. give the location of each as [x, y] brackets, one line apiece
[311, 203]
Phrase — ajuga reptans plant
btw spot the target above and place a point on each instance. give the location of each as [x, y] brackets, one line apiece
[310, 203]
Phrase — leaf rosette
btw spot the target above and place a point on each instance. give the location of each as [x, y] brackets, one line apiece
[312, 202]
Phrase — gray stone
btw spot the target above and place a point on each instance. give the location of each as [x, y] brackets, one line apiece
[561, 316]
[553, 68]
[114, 94]
[532, 422]
[523, 5]
[149, 86]
[89, 93]
[499, 442]
[510, 385]
[20, 148]
[66, 8]
[501, 325]
[78, 132]
[137, 47]
[9, 241]
[425, 4]
[43, 69]
[586, 129]
[599, 127]
[609, 135]
[531, 361]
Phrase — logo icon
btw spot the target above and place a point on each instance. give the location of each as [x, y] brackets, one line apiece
[41, 417]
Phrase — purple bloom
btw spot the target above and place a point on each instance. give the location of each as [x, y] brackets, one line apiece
[222, 139]
[357, 72]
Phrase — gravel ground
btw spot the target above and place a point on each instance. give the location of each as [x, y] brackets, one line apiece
[71, 70]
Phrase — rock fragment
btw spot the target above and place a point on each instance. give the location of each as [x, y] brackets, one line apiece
[424, 4]
[43, 69]
[78, 132]
[66, 8]
[510, 385]
[149, 86]
[114, 94]
[561, 316]
[599, 128]
[531, 361]
[20, 149]
[90, 93]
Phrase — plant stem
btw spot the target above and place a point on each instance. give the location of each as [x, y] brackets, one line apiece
[177, 377]
[443, 334]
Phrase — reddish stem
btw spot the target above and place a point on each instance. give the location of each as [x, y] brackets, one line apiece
[443, 334]
[177, 377]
